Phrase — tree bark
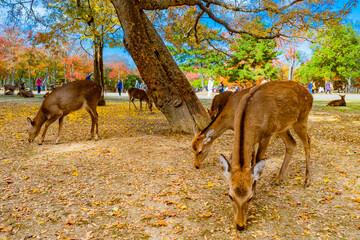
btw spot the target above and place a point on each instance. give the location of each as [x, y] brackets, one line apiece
[168, 86]
[99, 66]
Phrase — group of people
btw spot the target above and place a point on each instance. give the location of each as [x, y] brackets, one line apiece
[119, 86]
[328, 87]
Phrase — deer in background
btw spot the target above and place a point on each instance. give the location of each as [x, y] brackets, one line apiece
[223, 121]
[268, 109]
[62, 101]
[218, 103]
[136, 93]
[338, 102]
[25, 93]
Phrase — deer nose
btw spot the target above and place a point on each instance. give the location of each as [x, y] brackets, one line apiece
[30, 140]
[240, 228]
[197, 167]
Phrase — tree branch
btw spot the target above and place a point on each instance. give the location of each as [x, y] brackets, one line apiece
[230, 29]
[161, 4]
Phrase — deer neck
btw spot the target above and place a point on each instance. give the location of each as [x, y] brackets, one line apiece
[40, 118]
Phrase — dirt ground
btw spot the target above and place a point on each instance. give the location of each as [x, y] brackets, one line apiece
[138, 180]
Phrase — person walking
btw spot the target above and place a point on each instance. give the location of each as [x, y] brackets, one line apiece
[119, 86]
[327, 88]
[221, 87]
[38, 84]
[310, 87]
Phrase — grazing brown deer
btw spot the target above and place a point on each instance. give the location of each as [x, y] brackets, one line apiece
[218, 103]
[203, 140]
[62, 101]
[136, 93]
[270, 108]
[338, 102]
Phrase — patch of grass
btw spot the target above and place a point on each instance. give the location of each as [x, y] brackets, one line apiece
[351, 106]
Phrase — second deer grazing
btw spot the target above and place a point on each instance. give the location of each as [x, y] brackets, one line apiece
[268, 109]
[223, 121]
[338, 102]
[62, 101]
[136, 93]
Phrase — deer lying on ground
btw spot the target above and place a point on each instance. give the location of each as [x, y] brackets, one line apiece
[25, 93]
[136, 93]
[338, 102]
[218, 103]
[268, 109]
[9, 92]
[62, 101]
[203, 140]
[9, 87]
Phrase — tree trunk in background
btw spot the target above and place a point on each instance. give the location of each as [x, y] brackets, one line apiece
[99, 66]
[30, 78]
[168, 86]
[54, 73]
[65, 73]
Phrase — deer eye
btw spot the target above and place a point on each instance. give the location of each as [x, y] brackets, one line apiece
[231, 198]
[200, 152]
[250, 198]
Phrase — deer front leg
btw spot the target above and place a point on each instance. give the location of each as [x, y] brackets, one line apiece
[94, 122]
[61, 123]
[132, 100]
[140, 105]
[47, 124]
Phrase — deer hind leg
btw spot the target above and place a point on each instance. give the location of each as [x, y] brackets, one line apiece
[47, 124]
[301, 131]
[290, 145]
[61, 123]
[94, 122]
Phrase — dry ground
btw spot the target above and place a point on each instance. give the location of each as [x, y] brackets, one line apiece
[138, 181]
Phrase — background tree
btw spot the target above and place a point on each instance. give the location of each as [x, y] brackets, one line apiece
[336, 57]
[92, 22]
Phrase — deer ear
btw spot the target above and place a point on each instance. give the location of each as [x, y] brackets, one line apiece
[196, 129]
[258, 169]
[29, 121]
[225, 166]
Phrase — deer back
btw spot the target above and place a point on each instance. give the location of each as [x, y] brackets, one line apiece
[72, 97]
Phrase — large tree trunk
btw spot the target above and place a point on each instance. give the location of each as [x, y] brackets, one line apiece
[99, 66]
[168, 86]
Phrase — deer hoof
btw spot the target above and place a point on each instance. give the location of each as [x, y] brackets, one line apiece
[307, 183]
[276, 182]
